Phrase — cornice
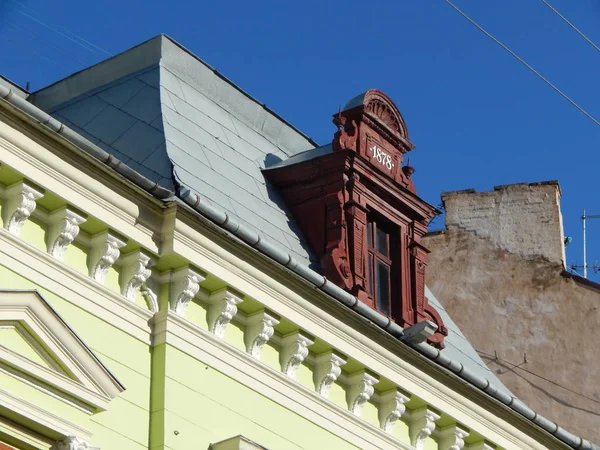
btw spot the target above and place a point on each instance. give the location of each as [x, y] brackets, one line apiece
[74, 287]
[203, 345]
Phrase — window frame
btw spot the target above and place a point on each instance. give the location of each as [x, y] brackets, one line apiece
[393, 260]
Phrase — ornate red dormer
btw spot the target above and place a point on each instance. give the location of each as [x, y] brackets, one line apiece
[359, 210]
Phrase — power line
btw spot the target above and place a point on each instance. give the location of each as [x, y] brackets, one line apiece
[41, 40]
[522, 61]
[580, 33]
[30, 50]
[73, 37]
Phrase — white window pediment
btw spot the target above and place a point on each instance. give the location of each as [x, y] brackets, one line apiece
[39, 348]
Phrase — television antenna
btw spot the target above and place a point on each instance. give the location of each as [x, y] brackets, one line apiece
[595, 267]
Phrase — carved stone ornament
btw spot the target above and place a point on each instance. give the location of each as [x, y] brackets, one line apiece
[135, 271]
[458, 439]
[223, 308]
[327, 368]
[185, 284]
[391, 408]
[63, 228]
[73, 443]
[21, 201]
[105, 251]
[294, 350]
[359, 391]
[150, 297]
[259, 330]
[422, 426]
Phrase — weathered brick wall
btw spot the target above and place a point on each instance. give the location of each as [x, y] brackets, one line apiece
[523, 219]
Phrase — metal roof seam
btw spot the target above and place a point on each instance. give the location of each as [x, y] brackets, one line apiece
[193, 200]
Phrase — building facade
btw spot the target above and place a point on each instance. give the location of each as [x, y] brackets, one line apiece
[162, 285]
[502, 252]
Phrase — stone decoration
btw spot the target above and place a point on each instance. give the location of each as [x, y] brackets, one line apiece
[63, 228]
[223, 308]
[185, 284]
[294, 350]
[104, 252]
[391, 408]
[136, 269]
[326, 370]
[359, 391]
[452, 438]
[20, 203]
[259, 330]
[73, 443]
[422, 426]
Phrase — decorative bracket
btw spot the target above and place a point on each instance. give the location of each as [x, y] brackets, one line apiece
[294, 350]
[185, 284]
[360, 389]
[63, 228]
[391, 408]
[20, 202]
[452, 438]
[105, 251]
[73, 443]
[135, 271]
[259, 329]
[422, 426]
[327, 368]
[223, 308]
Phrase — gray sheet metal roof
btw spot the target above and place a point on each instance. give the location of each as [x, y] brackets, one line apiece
[145, 64]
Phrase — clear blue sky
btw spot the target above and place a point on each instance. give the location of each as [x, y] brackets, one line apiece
[477, 117]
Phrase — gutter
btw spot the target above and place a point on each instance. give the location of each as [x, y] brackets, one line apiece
[222, 219]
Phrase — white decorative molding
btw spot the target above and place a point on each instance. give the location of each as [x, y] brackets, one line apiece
[326, 370]
[104, 252]
[452, 437]
[421, 426]
[74, 443]
[391, 408]
[20, 202]
[223, 308]
[293, 351]
[185, 284]
[135, 271]
[359, 391]
[63, 228]
[150, 297]
[259, 330]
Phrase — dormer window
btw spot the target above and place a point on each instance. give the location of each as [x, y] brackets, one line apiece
[382, 262]
[358, 208]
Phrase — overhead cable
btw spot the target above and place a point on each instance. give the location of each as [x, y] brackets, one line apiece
[522, 61]
[580, 33]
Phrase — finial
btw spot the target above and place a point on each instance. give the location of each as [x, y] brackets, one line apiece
[339, 120]
[408, 170]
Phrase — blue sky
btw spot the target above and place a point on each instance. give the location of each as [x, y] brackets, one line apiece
[477, 116]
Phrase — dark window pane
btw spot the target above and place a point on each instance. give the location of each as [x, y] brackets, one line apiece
[370, 234]
[370, 269]
[382, 242]
[383, 287]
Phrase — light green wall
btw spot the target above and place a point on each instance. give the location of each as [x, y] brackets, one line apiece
[125, 424]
